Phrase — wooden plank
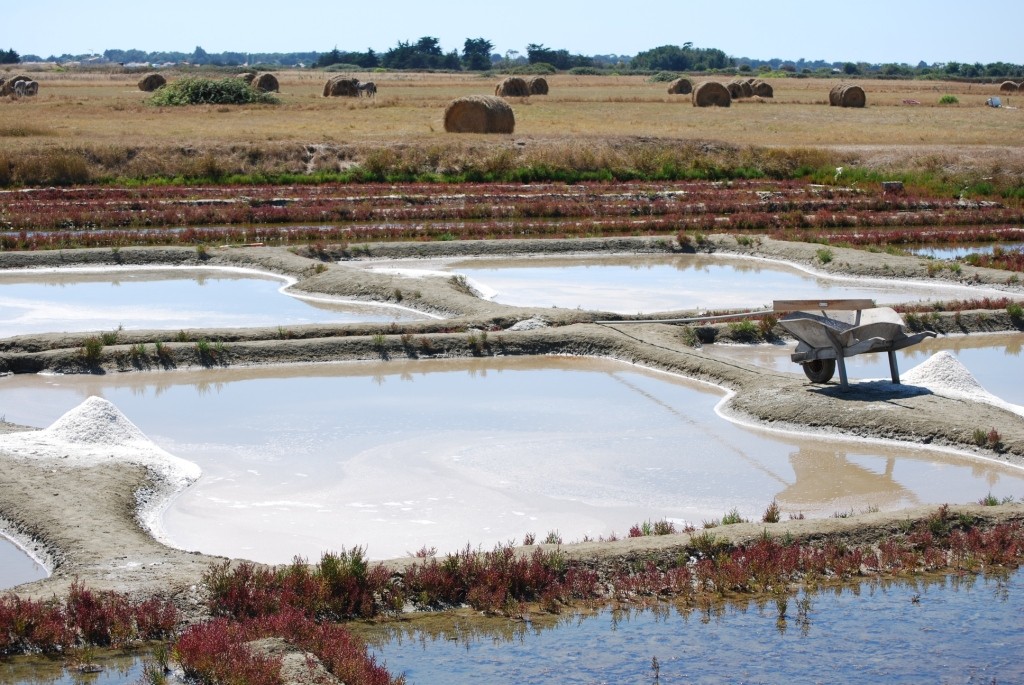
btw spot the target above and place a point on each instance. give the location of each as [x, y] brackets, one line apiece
[811, 305]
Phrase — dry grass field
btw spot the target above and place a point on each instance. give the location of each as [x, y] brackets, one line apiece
[107, 114]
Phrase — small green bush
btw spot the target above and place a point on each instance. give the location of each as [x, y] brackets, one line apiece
[948, 100]
[663, 77]
[1015, 310]
[825, 255]
[203, 91]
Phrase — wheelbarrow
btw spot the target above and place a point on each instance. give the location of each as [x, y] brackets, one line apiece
[829, 331]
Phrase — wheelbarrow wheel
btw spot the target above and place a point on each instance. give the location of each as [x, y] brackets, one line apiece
[820, 370]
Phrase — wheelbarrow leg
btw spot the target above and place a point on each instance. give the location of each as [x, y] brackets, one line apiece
[843, 383]
[894, 369]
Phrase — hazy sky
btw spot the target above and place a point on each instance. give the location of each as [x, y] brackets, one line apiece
[873, 31]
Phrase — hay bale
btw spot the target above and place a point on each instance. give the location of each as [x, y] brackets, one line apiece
[265, 83]
[537, 85]
[746, 90]
[151, 82]
[762, 89]
[247, 76]
[735, 92]
[681, 86]
[1008, 87]
[479, 114]
[1020, 88]
[711, 94]
[8, 86]
[846, 95]
[342, 86]
[512, 87]
[851, 95]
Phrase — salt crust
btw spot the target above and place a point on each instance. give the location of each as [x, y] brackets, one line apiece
[96, 432]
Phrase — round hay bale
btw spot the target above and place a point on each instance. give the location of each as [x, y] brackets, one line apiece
[8, 86]
[479, 114]
[833, 94]
[247, 76]
[852, 95]
[342, 86]
[735, 91]
[746, 90]
[1020, 88]
[512, 87]
[265, 83]
[711, 94]
[537, 85]
[762, 89]
[751, 80]
[151, 82]
[681, 86]
[1007, 87]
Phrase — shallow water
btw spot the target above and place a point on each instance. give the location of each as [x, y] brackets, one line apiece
[171, 299]
[952, 632]
[17, 567]
[994, 359]
[961, 251]
[119, 668]
[640, 284]
[402, 455]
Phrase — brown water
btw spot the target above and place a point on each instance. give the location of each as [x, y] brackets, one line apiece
[400, 455]
[994, 359]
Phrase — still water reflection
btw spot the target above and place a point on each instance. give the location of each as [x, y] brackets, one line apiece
[953, 631]
[630, 285]
[16, 567]
[400, 455]
[171, 299]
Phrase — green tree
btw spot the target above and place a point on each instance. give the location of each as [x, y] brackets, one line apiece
[9, 57]
[476, 54]
[850, 68]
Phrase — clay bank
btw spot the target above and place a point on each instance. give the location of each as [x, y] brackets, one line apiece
[84, 518]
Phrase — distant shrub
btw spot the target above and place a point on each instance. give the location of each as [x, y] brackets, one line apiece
[948, 100]
[663, 77]
[536, 68]
[587, 71]
[202, 91]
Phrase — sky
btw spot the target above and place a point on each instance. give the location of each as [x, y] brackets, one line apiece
[872, 31]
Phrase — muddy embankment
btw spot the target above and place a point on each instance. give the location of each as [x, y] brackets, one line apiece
[82, 520]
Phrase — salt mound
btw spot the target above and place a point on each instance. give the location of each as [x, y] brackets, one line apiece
[943, 374]
[96, 432]
[943, 371]
[95, 422]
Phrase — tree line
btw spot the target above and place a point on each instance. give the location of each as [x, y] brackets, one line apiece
[477, 54]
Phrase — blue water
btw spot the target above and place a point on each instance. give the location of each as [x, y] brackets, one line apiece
[164, 299]
[16, 567]
[961, 251]
[956, 631]
[632, 285]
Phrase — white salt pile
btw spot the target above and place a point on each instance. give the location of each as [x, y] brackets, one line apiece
[943, 374]
[96, 432]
